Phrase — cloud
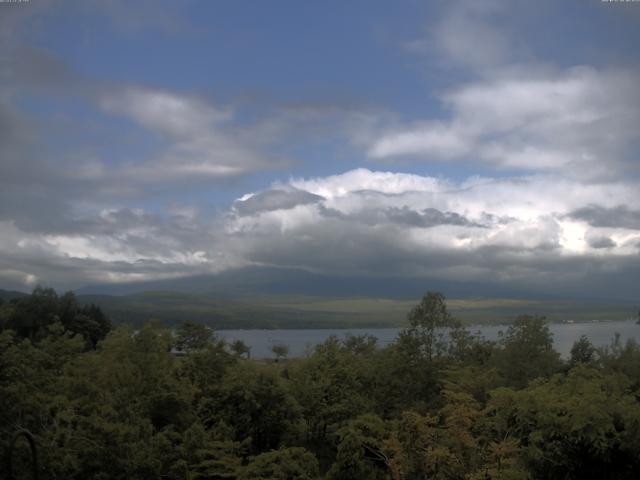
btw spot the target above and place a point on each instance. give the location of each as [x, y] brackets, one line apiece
[514, 231]
[89, 177]
[619, 216]
[26, 67]
[274, 199]
[598, 241]
[435, 138]
[364, 180]
[202, 140]
[176, 138]
[177, 116]
[469, 36]
[55, 183]
[74, 212]
[114, 246]
[426, 218]
[507, 109]
[579, 121]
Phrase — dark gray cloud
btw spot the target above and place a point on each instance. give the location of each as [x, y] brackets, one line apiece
[274, 199]
[339, 245]
[115, 245]
[617, 217]
[425, 218]
[429, 217]
[354, 236]
[64, 272]
[497, 219]
[31, 67]
[599, 242]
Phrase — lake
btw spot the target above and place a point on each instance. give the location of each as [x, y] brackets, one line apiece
[301, 341]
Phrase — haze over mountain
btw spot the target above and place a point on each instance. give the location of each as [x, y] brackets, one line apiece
[454, 146]
[251, 283]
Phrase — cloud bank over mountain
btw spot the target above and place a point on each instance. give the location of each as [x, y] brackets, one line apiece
[522, 230]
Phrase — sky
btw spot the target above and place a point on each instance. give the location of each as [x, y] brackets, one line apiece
[469, 141]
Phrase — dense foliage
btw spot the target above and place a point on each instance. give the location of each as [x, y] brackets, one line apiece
[438, 403]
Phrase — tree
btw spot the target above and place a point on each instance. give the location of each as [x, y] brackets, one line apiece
[96, 328]
[119, 398]
[284, 464]
[33, 317]
[622, 357]
[205, 454]
[205, 368]
[423, 337]
[360, 344]
[468, 348]
[33, 314]
[360, 455]
[191, 336]
[527, 351]
[328, 386]
[579, 425]
[280, 351]
[240, 348]
[582, 352]
[253, 402]
[409, 366]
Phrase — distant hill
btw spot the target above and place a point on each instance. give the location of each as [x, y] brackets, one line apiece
[11, 294]
[259, 304]
[291, 311]
[266, 312]
[258, 281]
[269, 297]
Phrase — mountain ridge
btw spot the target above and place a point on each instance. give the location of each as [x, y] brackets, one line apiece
[252, 281]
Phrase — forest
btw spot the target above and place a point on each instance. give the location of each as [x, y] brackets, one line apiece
[117, 402]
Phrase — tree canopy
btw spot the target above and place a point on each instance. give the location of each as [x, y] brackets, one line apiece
[124, 405]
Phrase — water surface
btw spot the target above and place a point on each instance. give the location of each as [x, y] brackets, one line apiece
[301, 341]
